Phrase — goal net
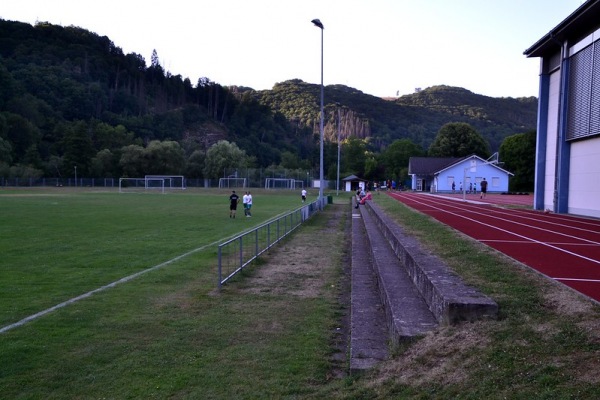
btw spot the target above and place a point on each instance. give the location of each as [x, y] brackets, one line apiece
[140, 185]
[280, 183]
[176, 182]
[232, 183]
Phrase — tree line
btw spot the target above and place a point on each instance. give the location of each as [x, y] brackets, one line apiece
[71, 98]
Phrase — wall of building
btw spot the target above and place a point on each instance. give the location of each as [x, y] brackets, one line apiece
[551, 141]
[496, 178]
[584, 182]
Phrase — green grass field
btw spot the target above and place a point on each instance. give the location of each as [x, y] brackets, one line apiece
[169, 333]
[165, 333]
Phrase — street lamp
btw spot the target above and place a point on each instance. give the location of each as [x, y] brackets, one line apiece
[337, 183]
[321, 182]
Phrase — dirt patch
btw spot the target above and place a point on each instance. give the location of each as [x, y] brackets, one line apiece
[298, 266]
[314, 262]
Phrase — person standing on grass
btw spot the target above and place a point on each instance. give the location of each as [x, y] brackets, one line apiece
[483, 189]
[245, 203]
[249, 205]
[234, 199]
[303, 195]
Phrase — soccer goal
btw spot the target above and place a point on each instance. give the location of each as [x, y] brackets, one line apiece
[232, 183]
[140, 185]
[176, 182]
[280, 183]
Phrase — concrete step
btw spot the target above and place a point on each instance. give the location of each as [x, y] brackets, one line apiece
[447, 296]
[400, 291]
[408, 315]
[368, 338]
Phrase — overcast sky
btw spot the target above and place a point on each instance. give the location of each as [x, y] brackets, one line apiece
[381, 47]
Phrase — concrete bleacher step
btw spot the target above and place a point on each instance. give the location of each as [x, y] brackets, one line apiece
[408, 315]
[447, 296]
[399, 291]
[368, 338]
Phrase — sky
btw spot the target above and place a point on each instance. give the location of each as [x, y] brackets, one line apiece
[383, 48]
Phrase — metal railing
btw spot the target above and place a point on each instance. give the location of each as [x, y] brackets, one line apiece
[237, 253]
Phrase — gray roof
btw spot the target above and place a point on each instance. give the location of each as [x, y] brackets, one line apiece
[430, 165]
[354, 178]
[576, 26]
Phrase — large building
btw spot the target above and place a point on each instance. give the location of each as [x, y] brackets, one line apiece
[437, 174]
[567, 175]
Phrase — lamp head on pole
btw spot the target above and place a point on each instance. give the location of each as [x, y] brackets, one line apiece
[317, 23]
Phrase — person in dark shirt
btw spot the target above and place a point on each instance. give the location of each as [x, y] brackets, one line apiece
[483, 188]
[234, 199]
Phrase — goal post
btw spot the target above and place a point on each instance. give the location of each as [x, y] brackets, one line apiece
[170, 181]
[232, 183]
[140, 185]
[280, 183]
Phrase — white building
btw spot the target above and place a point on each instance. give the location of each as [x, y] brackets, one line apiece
[567, 175]
[436, 174]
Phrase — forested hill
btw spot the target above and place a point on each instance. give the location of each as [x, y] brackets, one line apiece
[71, 97]
[417, 116]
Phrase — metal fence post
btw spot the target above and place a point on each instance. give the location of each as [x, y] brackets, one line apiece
[220, 268]
[241, 252]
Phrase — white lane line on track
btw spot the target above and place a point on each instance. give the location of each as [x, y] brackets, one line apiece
[472, 211]
[534, 216]
[100, 289]
[515, 234]
[577, 280]
[554, 243]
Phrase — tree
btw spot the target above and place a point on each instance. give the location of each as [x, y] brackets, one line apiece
[110, 137]
[395, 158]
[458, 139]
[221, 156]
[518, 154]
[195, 165]
[164, 158]
[354, 156]
[289, 160]
[103, 165]
[5, 152]
[21, 134]
[132, 161]
[78, 147]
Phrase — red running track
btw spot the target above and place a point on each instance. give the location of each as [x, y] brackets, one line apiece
[562, 247]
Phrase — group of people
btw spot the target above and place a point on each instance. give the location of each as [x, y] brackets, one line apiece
[234, 199]
[473, 188]
[362, 196]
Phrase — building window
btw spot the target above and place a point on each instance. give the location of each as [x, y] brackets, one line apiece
[584, 93]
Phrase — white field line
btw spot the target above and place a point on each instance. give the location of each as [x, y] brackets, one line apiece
[102, 288]
[513, 233]
[122, 280]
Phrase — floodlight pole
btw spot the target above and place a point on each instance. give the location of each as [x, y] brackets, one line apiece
[337, 183]
[318, 24]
